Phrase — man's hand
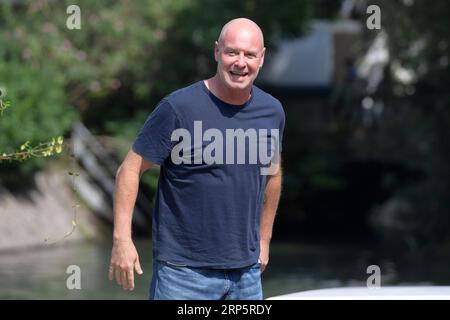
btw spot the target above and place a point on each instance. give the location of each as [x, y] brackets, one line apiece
[264, 253]
[124, 261]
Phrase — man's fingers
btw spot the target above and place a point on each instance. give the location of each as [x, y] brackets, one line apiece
[130, 277]
[124, 282]
[118, 277]
[263, 267]
[111, 273]
[137, 267]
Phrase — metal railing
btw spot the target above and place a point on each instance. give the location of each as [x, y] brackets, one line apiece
[96, 182]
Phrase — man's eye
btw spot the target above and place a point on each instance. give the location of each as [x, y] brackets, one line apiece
[231, 53]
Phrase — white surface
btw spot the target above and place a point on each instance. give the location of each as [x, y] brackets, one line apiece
[364, 293]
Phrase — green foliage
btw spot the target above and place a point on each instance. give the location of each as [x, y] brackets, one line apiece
[4, 105]
[37, 88]
[43, 149]
[39, 112]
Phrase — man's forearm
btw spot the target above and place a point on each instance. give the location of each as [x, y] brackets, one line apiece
[125, 194]
[271, 199]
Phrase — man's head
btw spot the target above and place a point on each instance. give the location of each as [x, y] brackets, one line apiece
[239, 53]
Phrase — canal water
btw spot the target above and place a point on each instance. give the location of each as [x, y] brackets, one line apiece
[41, 273]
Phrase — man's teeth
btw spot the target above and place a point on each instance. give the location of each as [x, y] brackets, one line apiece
[238, 74]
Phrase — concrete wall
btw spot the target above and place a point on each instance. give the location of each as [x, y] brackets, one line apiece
[43, 216]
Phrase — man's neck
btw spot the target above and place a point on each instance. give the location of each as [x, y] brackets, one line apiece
[236, 97]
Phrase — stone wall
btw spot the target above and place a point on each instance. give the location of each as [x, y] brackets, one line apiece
[43, 215]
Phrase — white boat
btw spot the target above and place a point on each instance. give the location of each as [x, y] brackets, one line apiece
[371, 293]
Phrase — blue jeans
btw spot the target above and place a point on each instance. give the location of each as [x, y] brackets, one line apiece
[173, 282]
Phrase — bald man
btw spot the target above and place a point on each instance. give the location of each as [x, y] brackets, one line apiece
[218, 144]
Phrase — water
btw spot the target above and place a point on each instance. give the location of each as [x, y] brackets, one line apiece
[41, 273]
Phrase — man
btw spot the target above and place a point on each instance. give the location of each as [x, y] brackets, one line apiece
[215, 204]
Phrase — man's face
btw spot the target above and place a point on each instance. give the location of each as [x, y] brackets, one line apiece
[239, 56]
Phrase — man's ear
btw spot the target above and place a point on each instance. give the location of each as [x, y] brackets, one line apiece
[262, 57]
[216, 51]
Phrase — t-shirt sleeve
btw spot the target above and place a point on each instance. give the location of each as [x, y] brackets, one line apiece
[153, 141]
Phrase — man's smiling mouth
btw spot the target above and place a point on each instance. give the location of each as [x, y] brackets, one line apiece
[241, 74]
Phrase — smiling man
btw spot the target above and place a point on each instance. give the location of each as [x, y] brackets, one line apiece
[215, 208]
[239, 54]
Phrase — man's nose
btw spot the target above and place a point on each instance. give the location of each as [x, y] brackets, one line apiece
[240, 62]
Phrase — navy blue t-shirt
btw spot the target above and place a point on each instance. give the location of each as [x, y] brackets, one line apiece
[211, 186]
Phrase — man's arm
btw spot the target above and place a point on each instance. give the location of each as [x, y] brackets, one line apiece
[124, 257]
[271, 198]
